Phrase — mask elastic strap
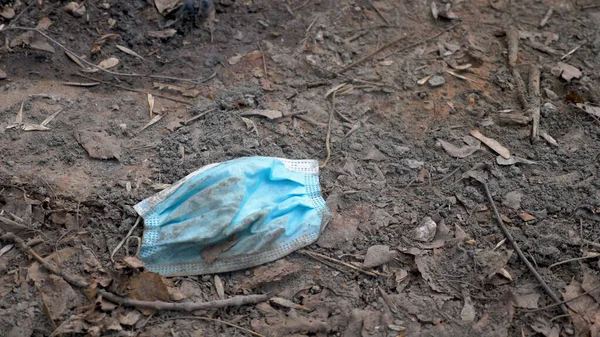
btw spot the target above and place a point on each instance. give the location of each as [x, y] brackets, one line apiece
[112, 255]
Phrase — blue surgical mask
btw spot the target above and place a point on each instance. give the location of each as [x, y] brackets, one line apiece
[233, 215]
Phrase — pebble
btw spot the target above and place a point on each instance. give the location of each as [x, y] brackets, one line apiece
[513, 199]
[436, 81]
[548, 109]
[550, 94]
[251, 143]
[356, 146]
[413, 164]
[378, 255]
[426, 230]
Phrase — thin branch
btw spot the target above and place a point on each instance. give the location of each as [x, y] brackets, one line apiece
[517, 249]
[264, 59]
[135, 90]
[114, 73]
[185, 306]
[563, 302]
[157, 305]
[422, 41]
[325, 257]
[328, 138]
[374, 52]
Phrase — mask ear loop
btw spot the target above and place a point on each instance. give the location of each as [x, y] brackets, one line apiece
[112, 255]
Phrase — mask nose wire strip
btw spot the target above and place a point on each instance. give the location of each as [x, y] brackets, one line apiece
[112, 255]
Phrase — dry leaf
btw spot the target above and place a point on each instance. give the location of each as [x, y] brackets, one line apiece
[148, 286]
[514, 160]
[250, 125]
[234, 59]
[434, 10]
[165, 6]
[458, 152]
[566, 71]
[106, 37]
[75, 9]
[7, 12]
[153, 121]
[191, 92]
[424, 80]
[491, 143]
[75, 324]
[163, 33]
[99, 144]
[287, 303]
[505, 273]
[133, 262]
[129, 51]
[131, 318]
[33, 127]
[526, 216]
[44, 23]
[592, 110]
[75, 59]
[270, 114]
[58, 295]
[42, 44]
[150, 104]
[19, 118]
[51, 117]
[467, 313]
[108, 63]
[529, 301]
[219, 287]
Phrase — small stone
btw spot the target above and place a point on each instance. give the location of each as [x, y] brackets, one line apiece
[413, 164]
[426, 230]
[75, 9]
[436, 81]
[402, 149]
[548, 109]
[2, 74]
[251, 143]
[513, 199]
[378, 255]
[356, 146]
[550, 94]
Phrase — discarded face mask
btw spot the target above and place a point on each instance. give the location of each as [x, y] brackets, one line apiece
[233, 215]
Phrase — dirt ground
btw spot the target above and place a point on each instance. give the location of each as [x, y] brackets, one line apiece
[398, 88]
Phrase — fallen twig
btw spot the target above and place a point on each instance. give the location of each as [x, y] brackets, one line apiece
[593, 256]
[562, 302]
[198, 116]
[546, 17]
[422, 41]
[374, 52]
[520, 88]
[512, 35]
[328, 138]
[195, 81]
[157, 305]
[379, 12]
[325, 257]
[264, 59]
[12, 226]
[135, 90]
[572, 51]
[253, 333]
[534, 93]
[517, 249]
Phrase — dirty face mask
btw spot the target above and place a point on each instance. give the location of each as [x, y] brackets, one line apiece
[233, 215]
